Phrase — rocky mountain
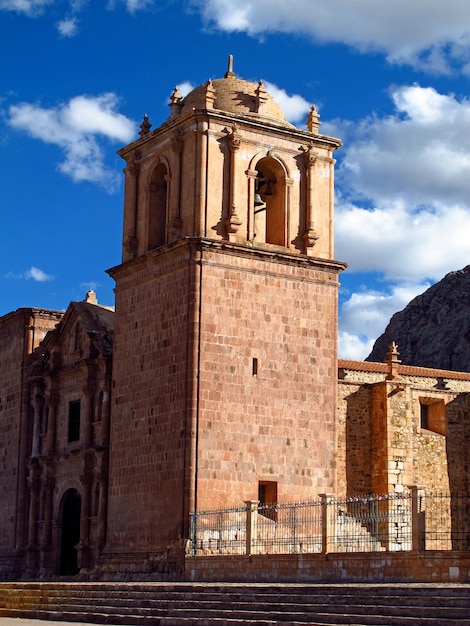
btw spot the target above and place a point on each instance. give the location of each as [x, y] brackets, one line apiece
[433, 330]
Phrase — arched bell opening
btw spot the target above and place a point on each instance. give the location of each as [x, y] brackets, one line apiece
[70, 533]
[270, 202]
[157, 208]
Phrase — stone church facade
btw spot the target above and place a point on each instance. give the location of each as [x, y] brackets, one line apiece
[215, 381]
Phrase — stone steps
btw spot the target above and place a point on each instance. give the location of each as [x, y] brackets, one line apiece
[232, 604]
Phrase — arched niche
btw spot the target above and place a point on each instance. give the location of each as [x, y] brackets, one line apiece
[270, 211]
[157, 208]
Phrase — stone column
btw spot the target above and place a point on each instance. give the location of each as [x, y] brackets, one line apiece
[252, 175]
[51, 423]
[102, 509]
[417, 519]
[105, 411]
[233, 222]
[88, 417]
[175, 223]
[289, 186]
[310, 236]
[131, 173]
[328, 527]
[251, 525]
[83, 546]
[47, 483]
[201, 165]
[34, 486]
[37, 402]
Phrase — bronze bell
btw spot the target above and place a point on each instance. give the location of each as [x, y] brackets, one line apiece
[258, 200]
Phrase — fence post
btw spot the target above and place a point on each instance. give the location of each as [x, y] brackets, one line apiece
[326, 520]
[416, 530]
[251, 524]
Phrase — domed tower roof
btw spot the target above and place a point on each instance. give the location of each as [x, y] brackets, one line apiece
[234, 95]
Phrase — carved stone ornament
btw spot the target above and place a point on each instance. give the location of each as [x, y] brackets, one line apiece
[177, 144]
[261, 96]
[313, 122]
[310, 236]
[145, 126]
[131, 245]
[233, 222]
[133, 164]
[174, 227]
[175, 102]
[234, 137]
[393, 362]
[309, 155]
[210, 95]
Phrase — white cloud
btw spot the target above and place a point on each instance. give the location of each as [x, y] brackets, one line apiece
[421, 153]
[68, 27]
[38, 275]
[400, 244]
[428, 33]
[93, 285]
[30, 8]
[77, 127]
[185, 87]
[294, 107]
[403, 205]
[413, 169]
[132, 5]
[366, 314]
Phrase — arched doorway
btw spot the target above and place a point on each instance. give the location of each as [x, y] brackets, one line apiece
[70, 533]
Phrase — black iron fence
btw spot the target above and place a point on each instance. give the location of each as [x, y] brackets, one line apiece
[412, 520]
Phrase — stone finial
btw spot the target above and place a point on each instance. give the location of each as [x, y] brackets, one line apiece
[145, 126]
[230, 73]
[393, 362]
[261, 96]
[313, 123]
[91, 297]
[210, 95]
[175, 102]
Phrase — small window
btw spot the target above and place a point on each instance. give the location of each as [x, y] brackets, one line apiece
[74, 421]
[433, 415]
[267, 496]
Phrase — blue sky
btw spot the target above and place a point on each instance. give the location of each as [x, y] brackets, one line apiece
[390, 78]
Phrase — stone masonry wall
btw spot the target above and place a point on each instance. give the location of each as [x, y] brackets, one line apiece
[267, 377]
[148, 429]
[436, 458]
[12, 351]
[20, 332]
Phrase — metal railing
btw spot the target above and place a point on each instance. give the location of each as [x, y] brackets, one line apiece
[412, 520]
[444, 521]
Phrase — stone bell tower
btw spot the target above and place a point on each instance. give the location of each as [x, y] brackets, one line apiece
[226, 319]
